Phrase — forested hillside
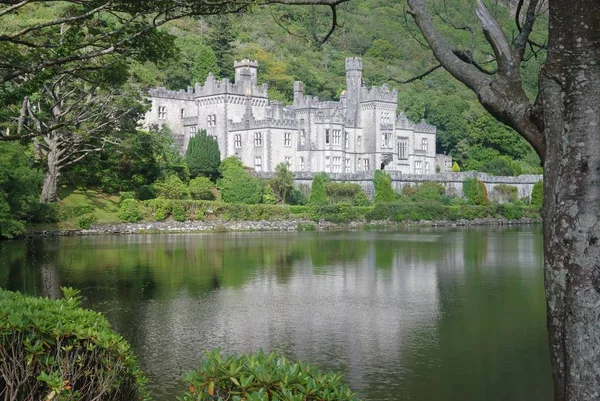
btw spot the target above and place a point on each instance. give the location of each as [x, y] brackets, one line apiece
[285, 42]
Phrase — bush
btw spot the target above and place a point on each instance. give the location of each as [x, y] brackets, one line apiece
[383, 187]
[178, 212]
[269, 197]
[145, 192]
[475, 192]
[126, 195]
[130, 211]
[203, 156]
[67, 212]
[159, 209]
[201, 189]
[427, 191]
[171, 188]
[47, 213]
[55, 350]
[455, 167]
[342, 191]
[257, 376]
[511, 212]
[86, 222]
[236, 185]
[318, 194]
[503, 193]
[537, 194]
[296, 197]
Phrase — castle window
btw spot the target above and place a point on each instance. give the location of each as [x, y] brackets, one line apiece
[162, 112]
[346, 140]
[347, 165]
[327, 163]
[366, 164]
[257, 139]
[327, 139]
[193, 131]
[386, 140]
[287, 139]
[258, 164]
[424, 144]
[426, 167]
[337, 136]
[337, 164]
[182, 113]
[403, 148]
[418, 167]
[302, 164]
[238, 141]
[302, 137]
[358, 142]
[288, 161]
[211, 120]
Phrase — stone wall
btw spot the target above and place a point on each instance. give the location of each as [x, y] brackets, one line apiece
[452, 181]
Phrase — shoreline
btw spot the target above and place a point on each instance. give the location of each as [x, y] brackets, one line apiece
[198, 226]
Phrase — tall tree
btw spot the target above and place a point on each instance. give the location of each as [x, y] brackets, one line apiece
[563, 126]
[283, 181]
[221, 40]
[203, 156]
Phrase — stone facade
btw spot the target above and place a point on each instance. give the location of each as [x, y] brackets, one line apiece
[363, 131]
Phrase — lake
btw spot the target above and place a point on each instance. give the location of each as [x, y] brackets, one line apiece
[425, 314]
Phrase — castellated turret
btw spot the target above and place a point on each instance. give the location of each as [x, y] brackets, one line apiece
[246, 70]
[353, 88]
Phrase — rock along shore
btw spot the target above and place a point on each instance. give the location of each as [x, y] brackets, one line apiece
[266, 225]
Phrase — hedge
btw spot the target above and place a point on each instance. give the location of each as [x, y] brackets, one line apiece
[261, 377]
[53, 350]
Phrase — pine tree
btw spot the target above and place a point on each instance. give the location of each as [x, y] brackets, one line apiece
[221, 39]
[318, 195]
[203, 156]
[205, 62]
[383, 187]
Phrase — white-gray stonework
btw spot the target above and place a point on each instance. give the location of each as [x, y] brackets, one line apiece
[363, 131]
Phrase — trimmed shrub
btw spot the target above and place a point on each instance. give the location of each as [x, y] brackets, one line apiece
[236, 185]
[203, 156]
[258, 376]
[201, 189]
[537, 194]
[318, 195]
[342, 191]
[427, 191]
[55, 350]
[383, 187]
[475, 192]
[269, 197]
[86, 222]
[130, 211]
[171, 188]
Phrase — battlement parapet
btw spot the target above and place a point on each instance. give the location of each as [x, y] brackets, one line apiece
[380, 94]
[262, 124]
[165, 93]
[402, 122]
[353, 64]
[245, 63]
[212, 86]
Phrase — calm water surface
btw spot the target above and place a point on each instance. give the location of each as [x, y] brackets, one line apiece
[425, 315]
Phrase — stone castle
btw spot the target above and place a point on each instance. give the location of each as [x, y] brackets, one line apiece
[362, 131]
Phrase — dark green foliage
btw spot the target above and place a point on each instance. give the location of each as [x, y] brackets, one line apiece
[346, 192]
[269, 197]
[201, 188]
[283, 181]
[86, 222]
[475, 192]
[336, 213]
[203, 156]
[178, 212]
[427, 191]
[258, 377]
[130, 211]
[236, 184]
[55, 347]
[221, 39]
[159, 209]
[171, 187]
[537, 194]
[20, 185]
[383, 187]
[296, 197]
[505, 193]
[47, 213]
[318, 195]
[145, 192]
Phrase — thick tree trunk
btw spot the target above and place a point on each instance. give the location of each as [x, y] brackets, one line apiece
[50, 188]
[570, 90]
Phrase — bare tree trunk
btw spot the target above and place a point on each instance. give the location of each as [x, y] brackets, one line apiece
[50, 188]
[570, 90]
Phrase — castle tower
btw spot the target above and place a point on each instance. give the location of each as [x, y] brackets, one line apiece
[246, 71]
[353, 87]
[298, 92]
